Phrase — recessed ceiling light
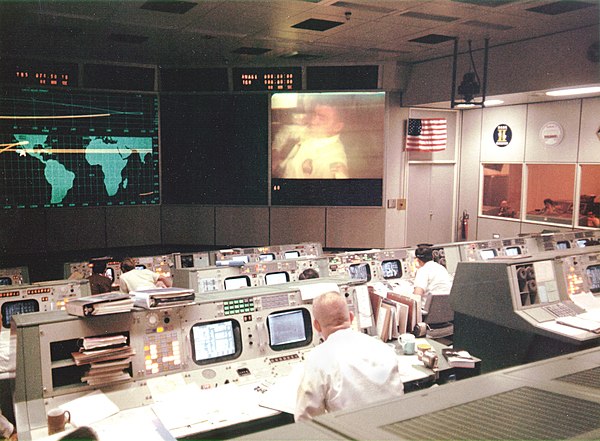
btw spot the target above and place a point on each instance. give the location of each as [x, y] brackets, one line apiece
[574, 91]
[493, 102]
[465, 105]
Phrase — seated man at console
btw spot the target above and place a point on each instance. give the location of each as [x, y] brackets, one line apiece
[133, 279]
[99, 283]
[431, 277]
[349, 369]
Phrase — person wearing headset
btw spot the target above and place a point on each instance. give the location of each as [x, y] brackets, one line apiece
[431, 277]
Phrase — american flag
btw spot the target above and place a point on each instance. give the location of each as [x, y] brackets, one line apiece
[426, 134]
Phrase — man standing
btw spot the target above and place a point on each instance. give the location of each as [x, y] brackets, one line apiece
[349, 369]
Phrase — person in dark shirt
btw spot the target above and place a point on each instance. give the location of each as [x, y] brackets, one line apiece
[99, 283]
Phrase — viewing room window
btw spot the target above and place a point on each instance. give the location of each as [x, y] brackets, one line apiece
[502, 190]
[589, 205]
[550, 193]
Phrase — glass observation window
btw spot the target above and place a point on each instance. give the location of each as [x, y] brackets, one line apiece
[550, 193]
[589, 205]
[502, 190]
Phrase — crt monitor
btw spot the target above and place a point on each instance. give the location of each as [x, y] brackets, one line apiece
[291, 254]
[187, 260]
[581, 243]
[563, 245]
[17, 307]
[216, 341]
[110, 273]
[487, 254]
[289, 329]
[392, 269]
[276, 278]
[513, 251]
[593, 276]
[360, 271]
[5, 281]
[266, 257]
[237, 282]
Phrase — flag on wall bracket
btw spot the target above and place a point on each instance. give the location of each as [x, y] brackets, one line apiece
[426, 135]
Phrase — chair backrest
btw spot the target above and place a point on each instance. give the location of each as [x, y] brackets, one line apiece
[438, 309]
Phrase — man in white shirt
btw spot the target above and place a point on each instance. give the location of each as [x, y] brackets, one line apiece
[349, 369]
[318, 152]
[132, 279]
[431, 277]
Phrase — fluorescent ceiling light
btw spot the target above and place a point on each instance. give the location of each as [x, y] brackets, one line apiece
[493, 102]
[574, 91]
[464, 105]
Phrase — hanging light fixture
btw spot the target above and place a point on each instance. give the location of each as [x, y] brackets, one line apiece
[471, 85]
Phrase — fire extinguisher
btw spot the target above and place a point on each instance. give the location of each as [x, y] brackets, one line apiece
[464, 225]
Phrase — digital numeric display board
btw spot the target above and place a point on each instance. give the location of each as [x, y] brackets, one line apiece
[276, 79]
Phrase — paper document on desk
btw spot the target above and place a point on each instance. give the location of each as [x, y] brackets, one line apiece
[587, 301]
[282, 394]
[90, 408]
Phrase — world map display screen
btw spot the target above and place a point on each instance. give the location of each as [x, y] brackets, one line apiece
[75, 148]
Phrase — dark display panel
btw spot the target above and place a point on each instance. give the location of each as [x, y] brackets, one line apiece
[276, 79]
[17, 307]
[65, 148]
[593, 274]
[106, 76]
[342, 77]
[214, 149]
[193, 80]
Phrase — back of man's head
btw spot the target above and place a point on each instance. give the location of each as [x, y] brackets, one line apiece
[331, 311]
[424, 253]
[98, 266]
[127, 264]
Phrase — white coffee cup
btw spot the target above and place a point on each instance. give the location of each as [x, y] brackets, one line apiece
[407, 342]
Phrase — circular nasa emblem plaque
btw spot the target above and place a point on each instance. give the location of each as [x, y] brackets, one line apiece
[551, 133]
[502, 135]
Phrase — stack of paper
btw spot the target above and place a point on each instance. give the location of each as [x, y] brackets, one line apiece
[109, 359]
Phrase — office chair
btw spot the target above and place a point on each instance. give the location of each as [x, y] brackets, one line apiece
[438, 315]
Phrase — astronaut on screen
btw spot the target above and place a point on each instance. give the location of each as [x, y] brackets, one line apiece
[311, 149]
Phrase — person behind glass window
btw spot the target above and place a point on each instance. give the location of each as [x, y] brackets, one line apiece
[349, 369]
[549, 206]
[431, 277]
[505, 210]
[99, 283]
[592, 220]
[132, 279]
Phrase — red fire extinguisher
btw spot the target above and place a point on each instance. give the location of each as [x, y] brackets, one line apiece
[464, 225]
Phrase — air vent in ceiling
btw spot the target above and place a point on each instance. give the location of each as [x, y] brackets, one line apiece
[363, 7]
[560, 7]
[128, 38]
[432, 17]
[171, 7]
[487, 25]
[491, 3]
[432, 39]
[315, 24]
[244, 50]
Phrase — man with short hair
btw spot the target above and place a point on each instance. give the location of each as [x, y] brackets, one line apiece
[431, 277]
[349, 369]
[99, 283]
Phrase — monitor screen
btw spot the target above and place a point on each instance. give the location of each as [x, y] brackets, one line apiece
[275, 278]
[140, 266]
[488, 254]
[5, 281]
[593, 275]
[360, 271]
[267, 257]
[110, 273]
[582, 243]
[17, 307]
[237, 282]
[187, 260]
[513, 251]
[289, 329]
[216, 341]
[392, 269]
[291, 254]
[327, 148]
[563, 245]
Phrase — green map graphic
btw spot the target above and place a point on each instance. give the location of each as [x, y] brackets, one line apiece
[112, 154]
